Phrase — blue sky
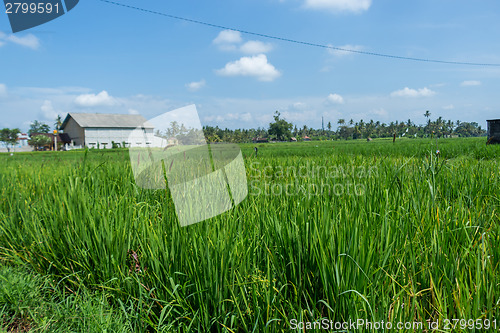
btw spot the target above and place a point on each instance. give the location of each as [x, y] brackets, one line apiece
[108, 59]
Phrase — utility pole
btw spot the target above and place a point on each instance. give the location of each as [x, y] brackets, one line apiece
[55, 140]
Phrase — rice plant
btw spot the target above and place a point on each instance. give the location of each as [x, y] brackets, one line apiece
[337, 231]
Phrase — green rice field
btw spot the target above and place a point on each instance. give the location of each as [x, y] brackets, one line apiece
[330, 232]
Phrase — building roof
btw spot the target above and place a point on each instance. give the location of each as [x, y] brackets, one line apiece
[102, 120]
[493, 120]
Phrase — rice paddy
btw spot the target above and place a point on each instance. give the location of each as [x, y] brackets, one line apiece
[337, 231]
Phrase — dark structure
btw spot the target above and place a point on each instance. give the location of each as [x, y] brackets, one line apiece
[260, 140]
[62, 139]
[493, 131]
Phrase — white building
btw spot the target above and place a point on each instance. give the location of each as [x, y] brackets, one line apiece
[20, 145]
[98, 130]
[22, 140]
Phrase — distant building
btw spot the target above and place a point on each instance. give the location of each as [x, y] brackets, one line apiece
[97, 130]
[260, 140]
[20, 145]
[62, 140]
[22, 140]
[493, 131]
[306, 138]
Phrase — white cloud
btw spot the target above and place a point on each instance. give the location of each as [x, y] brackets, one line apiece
[355, 6]
[29, 40]
[255, 66]
[195, 86]
[228, 36]
[217, 119]
[133, 111]
[342, 53]
[470, 83]
[246, 117]
[407, 92]
[449, 107]
[227, 39]
[232, 116]
[335, 99]
[298, 106]
[3, 90]
[47, 111]
[380, 112]
[92, 100]
[230, 40]
[300, 117]
[228, 117]
[255, 47]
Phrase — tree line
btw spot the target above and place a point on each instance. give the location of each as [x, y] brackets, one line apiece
[9, 136]
[282, 130]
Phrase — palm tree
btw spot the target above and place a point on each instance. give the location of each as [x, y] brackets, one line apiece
[427, 114]
[58, 122]
[361, 125]
[449, 127]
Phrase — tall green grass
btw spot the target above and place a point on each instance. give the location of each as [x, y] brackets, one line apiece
[34, 303]
[420, 243]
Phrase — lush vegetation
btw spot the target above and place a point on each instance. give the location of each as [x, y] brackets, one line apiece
[38, 127]
[31, 302]
[39, 141]
[281, 130]
[361, 230]
[9, 136]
